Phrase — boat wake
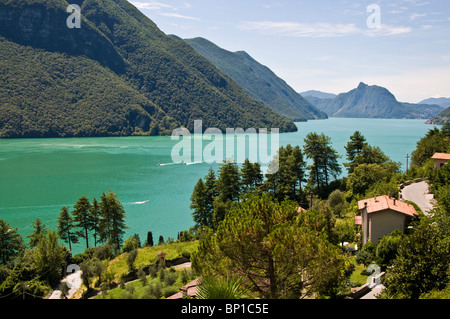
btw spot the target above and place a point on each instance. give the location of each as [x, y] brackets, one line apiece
[141, 203]
[193, 163]
[167, 164]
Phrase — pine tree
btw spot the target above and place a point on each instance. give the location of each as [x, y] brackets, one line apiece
[11, 243]
[210, 194]
[228, 183]
[286, 183]
[112, 221]
[251, 175]
[353, 148]
[65, 225]
[201, 213]
[82, 218]
[95, 219]
[36, 235]
[325, 159]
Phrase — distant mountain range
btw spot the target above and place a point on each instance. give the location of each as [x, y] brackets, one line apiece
[258, 81]
[116, 75]
[370, 102]
[441, 101]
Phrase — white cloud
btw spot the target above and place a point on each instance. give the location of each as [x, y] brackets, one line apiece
[178, 16]
[318, 30]
[151, 5]
[160, 7]
[414, 16]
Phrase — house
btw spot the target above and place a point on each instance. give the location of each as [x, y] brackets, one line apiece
[187, 291]
[440, 159]
[382, 215]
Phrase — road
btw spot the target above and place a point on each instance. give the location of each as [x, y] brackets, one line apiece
[74, 281]
[418, 193]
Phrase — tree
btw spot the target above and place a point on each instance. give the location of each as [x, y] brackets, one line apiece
[445, 129]
[82, 218]
[387, 247]
[91, 268]
[227, 187]
[353, 148]
[131, 258]
[161, 240]
[112, 220]
[149, 241]
[267, 244]
[345, 230]
[336, 201]
[11, 243]
[286, 182]
[210, 191]
[251, 175]
[228, 182]
[95, 219]
[38, 232]
[49, 257]
[364, 176]
[421, 264]
[202, 214]
[65, 225]
[435, 141]
[131, 243]
[370, 155]
[64, 290]
[325, 160]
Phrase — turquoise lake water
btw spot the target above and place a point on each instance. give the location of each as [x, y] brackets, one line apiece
[39, 176]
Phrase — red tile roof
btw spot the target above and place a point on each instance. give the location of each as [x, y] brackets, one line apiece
[441, 156]
[301, 210]
[188, 290]
[380, 203]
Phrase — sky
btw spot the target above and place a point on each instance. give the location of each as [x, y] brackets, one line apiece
[326, 45]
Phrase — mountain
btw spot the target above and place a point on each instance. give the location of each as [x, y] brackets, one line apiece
[373, 102]
[318, 94]
[441, 101]
[258, 81]
[116, 75]
[441, 118]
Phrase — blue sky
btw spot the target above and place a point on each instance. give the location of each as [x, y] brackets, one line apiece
[326, 45]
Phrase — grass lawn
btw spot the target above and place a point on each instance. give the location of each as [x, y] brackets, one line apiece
[148, 255]
[165, 284]
[358, 277]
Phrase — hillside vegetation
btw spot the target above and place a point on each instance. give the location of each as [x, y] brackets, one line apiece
[258, 81]
[116, 75]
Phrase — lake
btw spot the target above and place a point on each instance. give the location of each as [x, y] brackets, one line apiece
[39, 176]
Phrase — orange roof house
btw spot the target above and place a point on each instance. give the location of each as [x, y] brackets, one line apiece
[440, 159]
[187, 291]
[382, 215]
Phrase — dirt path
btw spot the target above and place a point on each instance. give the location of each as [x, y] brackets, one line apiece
[74, 281]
